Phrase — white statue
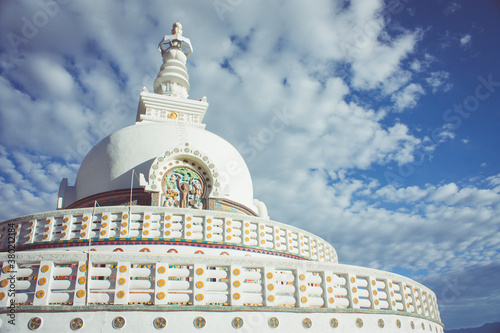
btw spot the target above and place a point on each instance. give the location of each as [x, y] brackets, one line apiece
[175, 41]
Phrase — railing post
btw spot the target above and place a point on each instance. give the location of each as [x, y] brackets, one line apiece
[300, 284]
[146, 225]
[105, 222]
[199, 284]
[269, 286]
[349, 283]
[161, 282]
[122, 283]
[235, 285]
[80, 295]
[7, 276]
[44, 280]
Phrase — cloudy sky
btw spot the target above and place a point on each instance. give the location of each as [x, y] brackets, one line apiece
[389, 109]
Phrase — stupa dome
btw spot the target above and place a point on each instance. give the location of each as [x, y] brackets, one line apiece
[108, 166]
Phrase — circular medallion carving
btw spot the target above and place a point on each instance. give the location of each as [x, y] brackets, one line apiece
[359, 322]
[76, 324]
[35, 323]
[237, 322]
[307, 323]
[159, 323]
[199, 322]
[381, 323]
[118, 322]
[334, 323]
[273, 322]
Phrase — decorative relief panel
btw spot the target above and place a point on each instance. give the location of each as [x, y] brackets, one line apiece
[182, 177]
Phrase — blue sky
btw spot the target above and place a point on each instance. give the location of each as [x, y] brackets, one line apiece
[389, 148]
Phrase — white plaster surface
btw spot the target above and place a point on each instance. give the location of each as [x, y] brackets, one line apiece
[108, 166]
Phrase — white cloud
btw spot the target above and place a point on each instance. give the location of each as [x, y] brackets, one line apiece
[465, 40]
[88, 64]
[408, 97]
[438, 80]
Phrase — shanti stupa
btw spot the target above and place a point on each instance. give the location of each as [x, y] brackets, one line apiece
[188, 249]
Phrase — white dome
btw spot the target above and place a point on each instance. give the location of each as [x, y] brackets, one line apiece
[108, 166]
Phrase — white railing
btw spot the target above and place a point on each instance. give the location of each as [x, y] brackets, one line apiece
[156, 223]
[54, 278]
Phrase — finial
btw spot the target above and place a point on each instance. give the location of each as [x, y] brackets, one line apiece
[173, 79]
[177, 28]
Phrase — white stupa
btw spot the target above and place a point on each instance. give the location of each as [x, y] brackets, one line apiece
[188, 248]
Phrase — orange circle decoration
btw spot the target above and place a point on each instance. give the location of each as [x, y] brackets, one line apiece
[354, 289]
[172, 115]
[303, 288]
[6, 269]
[146, 232]
[47, 228]
[85, 218]
[200, 297]
[199, 271]
[160, 295]
[356, 301]
[103, 232]
[104, 225]
[302, 277]
[123, 269]
[168, 217]
[65, 227]
[45, 268]
[63, 234]
[83, 268]
[125, 224]
[200, 284]
[209, 220]
[236, 283]
[84, 226]
[236, 271]
[188, 218]
[147, 217]
[2, 296]
[82, 280]
[161, 283]
[125, 216]
[373, 282]
[236, 296]
[377, 302]
[123, 232]
[331, 300]
[162, 269]
[40, 294]
[209, 236]
[120, 294]
[41, 282]
[270, 298]
[122, 281]
[105, 217]
[4, 283]
[270, 286]
[330, 289]
[303, 299]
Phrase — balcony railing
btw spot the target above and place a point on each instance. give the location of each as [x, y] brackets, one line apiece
[80, 279]
[84, 225]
